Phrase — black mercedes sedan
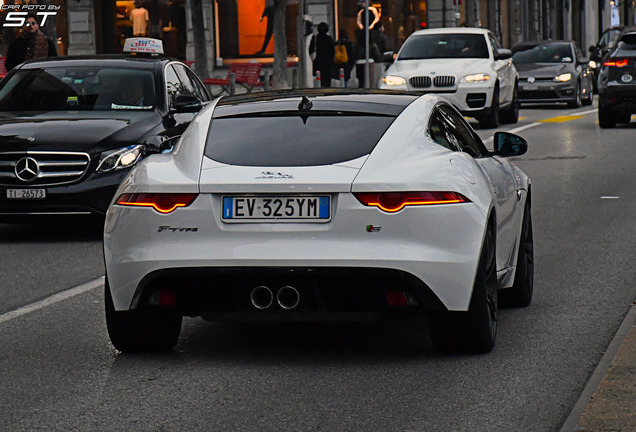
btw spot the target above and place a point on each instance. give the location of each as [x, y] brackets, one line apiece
[617, 83]
[553, 71]
[71, 128]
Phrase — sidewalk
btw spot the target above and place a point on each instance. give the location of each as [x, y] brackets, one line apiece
[608, 403]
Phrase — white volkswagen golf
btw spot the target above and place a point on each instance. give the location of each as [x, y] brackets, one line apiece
[467, 66]
[315, 204]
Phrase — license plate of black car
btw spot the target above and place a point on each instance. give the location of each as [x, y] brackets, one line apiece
[274, 208]
[26, 193]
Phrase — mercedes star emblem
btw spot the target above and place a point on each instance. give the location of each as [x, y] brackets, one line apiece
[27, 169]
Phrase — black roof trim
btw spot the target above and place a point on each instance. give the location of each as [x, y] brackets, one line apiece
[363, 101]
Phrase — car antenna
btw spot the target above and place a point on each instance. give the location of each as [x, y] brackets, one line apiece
[305, 104]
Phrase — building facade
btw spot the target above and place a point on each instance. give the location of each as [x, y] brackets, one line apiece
[238, 30]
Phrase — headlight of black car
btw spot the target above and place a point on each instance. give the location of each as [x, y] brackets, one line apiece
[121, 158]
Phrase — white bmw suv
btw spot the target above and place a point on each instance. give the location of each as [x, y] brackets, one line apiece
[467, 66]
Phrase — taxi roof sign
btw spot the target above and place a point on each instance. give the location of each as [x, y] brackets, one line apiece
[143, 45]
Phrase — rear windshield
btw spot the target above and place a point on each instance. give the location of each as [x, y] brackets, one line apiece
[444, 46]
[294, 140]
[78, 88]
[628, 42]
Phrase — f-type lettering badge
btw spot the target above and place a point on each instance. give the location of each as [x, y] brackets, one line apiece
[167, 228]
[27, 169]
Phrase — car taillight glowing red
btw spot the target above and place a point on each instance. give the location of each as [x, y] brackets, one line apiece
[395, 201]
[162, 202]
[617, 62]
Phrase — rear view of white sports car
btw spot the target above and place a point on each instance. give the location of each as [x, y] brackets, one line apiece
[321, 204]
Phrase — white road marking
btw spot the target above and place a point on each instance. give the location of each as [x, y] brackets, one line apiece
[608, 197]
[55, 298]
[586, 112]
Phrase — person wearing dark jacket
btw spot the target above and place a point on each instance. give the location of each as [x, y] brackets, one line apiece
[31, 44]
[323, 46]
[359, 54]
[348, 66]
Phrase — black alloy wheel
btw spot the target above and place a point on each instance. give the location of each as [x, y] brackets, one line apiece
[490, 119]
[511, 114]
[141, 330]
[520, 295]
[576, 102]
[589, 100]
[474, 331]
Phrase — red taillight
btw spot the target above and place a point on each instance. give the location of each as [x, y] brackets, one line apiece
[617, 62]
[162, 202]
[396, 201]
[395, 298]
[167, 298]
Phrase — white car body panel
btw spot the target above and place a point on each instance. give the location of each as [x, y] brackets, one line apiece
[439, 244]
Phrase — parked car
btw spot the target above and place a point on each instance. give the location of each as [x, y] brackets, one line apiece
[72, 127]
[553, 71]
[616, 84]
[467, 66]
[316, 204]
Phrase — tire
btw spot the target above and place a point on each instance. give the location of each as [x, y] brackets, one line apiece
[520, 295]
[606, 118]
[624, 118]
[141, 330]
[474, 331]
[577, 98]
[490, 119]
[511, 114]
[589, 100]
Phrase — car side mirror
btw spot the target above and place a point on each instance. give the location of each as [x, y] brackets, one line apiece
[186, 104]
[168, 145]
[503, 54]
[388, 57]
[508, 144]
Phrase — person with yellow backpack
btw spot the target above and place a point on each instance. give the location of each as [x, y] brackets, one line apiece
[343, 56]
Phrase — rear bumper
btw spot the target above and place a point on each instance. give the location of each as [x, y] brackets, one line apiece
[224, 293]
[434, 248]
[619, 97]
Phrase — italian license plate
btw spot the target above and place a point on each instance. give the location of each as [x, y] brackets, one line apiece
[530, 87]
[26, 193]
[276, 208]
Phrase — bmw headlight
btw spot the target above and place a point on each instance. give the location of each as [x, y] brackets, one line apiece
[393, 80]
[480, 77]
[563, 77]
[121, 158]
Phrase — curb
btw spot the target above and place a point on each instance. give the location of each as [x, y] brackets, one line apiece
[600, 371]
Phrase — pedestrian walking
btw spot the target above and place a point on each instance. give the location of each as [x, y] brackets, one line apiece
[380, 38]
[343, 56]
[31, 43]
[359, 54]
[268, 13]
[322, 45]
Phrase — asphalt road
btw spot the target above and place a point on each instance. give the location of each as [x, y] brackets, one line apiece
[58, 370]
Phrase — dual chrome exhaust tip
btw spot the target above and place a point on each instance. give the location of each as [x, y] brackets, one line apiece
[287, 297]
